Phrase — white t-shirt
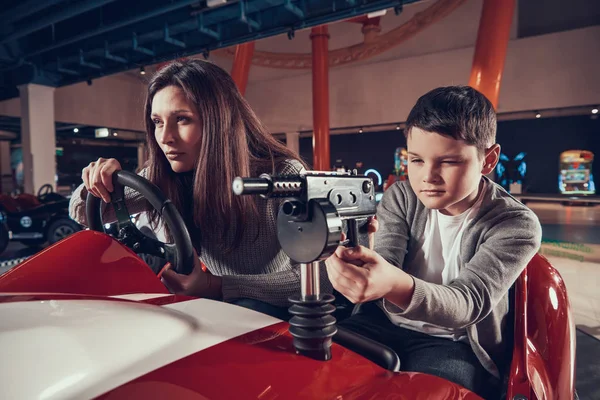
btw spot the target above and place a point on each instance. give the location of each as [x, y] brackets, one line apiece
[440, 257]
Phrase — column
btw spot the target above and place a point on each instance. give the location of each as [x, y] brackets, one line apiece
[320, 91]
[38, 136]
[292, 140]
[490, 49]
[241, 65]
[6, 175]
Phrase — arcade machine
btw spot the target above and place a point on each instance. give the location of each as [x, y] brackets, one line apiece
[400, 168]
[510, 174]
[339, 166]
[575, 176]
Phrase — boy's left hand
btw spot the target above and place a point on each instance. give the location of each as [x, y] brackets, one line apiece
[362, 275]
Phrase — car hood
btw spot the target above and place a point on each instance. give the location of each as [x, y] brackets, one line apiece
[81, 348]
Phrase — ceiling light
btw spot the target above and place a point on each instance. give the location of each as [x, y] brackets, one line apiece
[101, 132]
[360, 130]
[142, 70]
[115, 133]
[75, 130]
[594, 111]
[538, 115]
[376, 14]
[397, 127]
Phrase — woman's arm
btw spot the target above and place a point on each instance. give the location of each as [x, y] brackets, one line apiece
[274, 288]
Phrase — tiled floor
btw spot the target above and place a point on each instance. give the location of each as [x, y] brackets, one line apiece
[555, 213]
[577, 225]
[583, 282]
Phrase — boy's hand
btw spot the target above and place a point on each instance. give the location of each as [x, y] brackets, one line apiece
[362, 275]
[198, 283]
[372, 228]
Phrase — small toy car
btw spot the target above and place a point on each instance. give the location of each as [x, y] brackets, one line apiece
[35, 220]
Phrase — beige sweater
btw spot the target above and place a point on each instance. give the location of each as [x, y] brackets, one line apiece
[258, 270]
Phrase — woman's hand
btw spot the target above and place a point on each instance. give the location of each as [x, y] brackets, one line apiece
[97, 177]
[199, 283]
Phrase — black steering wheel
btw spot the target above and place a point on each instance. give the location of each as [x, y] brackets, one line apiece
[180, 254]
[44, 191]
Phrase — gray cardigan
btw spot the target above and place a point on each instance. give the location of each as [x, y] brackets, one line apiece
[257, 269]
[499, 242]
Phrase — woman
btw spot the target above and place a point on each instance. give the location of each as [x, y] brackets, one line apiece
[201, 134]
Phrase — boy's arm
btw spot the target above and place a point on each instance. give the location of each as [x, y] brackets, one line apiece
[391, 238]
[508, 247]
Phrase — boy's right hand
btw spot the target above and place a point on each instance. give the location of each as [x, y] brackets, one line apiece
[97, 177]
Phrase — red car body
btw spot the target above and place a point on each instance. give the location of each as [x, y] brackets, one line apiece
[93, 268]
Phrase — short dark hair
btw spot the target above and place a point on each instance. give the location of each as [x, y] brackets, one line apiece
[459, 112]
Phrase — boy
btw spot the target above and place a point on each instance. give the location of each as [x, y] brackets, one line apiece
[449, 245]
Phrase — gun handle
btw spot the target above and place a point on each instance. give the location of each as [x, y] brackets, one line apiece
[352, 240]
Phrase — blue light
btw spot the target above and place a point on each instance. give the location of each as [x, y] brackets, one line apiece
[522, 169]
[520, 156]
[379, 179]
[503, 157]
[500, 169]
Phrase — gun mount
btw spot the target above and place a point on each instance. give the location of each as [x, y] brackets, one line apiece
[310, 223]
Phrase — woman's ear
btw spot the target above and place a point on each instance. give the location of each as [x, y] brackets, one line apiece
[491, 159]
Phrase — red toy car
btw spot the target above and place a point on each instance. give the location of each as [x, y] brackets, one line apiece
[87, 318]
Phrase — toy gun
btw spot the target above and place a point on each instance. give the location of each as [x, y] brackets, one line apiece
[309, 227]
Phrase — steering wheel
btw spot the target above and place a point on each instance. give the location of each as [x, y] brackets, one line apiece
[44, 191]
[180, 254]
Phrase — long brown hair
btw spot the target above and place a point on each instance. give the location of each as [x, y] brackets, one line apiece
[234, 143]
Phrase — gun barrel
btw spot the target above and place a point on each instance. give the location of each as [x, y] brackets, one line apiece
[269, 186]
[243, 186]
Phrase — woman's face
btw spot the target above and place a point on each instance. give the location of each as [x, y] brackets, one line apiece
[177, 128]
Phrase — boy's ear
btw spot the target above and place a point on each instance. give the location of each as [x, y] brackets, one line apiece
[491, 159]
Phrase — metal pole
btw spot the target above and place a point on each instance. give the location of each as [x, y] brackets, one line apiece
[241, 65]
[320, 88]
[490, 49]
[310, 280]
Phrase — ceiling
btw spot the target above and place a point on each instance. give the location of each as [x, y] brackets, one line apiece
[61, 42]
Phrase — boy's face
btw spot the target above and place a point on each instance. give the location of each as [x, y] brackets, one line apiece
[445, 173]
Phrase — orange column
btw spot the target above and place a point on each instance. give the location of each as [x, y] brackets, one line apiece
[490, 50]
[320, 92]
[241, 65]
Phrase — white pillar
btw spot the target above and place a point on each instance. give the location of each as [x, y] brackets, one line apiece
[142, 154]
[6, 174]
[292, 140]
[38, 136]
